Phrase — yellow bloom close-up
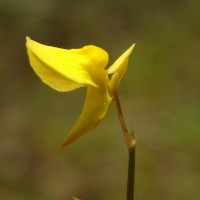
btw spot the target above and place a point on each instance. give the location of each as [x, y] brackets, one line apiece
[65, 70]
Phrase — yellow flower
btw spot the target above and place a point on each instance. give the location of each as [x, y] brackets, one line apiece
[65, 70]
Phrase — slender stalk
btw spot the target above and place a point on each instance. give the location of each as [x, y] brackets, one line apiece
[131, 174]
[130, 140]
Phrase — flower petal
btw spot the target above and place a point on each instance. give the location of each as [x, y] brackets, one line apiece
[118, 69]
[74, 198]
[65, 70]
[96, 105]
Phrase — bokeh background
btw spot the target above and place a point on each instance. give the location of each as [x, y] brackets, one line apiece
[159, 95]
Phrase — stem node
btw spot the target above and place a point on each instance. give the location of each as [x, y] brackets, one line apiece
[130, 139]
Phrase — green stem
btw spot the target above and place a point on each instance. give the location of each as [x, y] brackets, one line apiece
[131, 174]
[130, 140]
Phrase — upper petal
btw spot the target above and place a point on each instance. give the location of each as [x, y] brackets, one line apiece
[118, 69]
[65, 70]
[96, 105]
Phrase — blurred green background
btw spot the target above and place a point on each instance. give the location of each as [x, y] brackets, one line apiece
[159, 95]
